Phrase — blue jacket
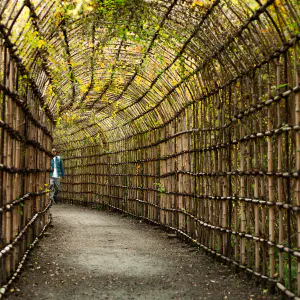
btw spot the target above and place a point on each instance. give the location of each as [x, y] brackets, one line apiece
[59, 166]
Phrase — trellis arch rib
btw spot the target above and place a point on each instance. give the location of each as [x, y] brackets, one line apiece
[182, 113]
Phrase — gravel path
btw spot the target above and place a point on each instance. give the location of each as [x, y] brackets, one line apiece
[91, 254]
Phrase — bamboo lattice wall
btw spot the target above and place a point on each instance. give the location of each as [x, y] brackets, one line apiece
[193, 124]
[25, 138]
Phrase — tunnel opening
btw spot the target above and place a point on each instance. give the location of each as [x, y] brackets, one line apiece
[182, 113]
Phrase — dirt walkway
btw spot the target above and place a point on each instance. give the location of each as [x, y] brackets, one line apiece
[101, 255]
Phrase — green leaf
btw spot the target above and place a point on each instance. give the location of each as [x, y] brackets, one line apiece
[281, 86]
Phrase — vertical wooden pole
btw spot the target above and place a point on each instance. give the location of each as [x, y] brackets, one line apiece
[271, 195]
[297, 123]
[279, 179]
[243, 189]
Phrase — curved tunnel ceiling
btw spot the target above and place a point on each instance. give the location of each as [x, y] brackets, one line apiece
[116, 68]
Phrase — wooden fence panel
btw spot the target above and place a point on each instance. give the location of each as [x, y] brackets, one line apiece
[26, 141]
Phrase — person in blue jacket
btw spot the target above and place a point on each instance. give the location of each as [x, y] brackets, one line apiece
[57, 173]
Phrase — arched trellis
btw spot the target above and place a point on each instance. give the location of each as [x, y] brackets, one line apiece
[183, 113]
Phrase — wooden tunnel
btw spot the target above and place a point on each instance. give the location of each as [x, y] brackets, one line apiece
[183, 113]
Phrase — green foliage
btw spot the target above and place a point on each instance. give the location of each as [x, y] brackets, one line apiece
[100, 206]
[160, 188]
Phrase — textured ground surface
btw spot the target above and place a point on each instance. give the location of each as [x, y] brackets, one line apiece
[101, 255]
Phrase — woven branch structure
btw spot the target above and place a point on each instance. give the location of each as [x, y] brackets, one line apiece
[183, 113]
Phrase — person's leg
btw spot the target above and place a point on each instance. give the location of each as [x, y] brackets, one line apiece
[57, 188]
[51, 189]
